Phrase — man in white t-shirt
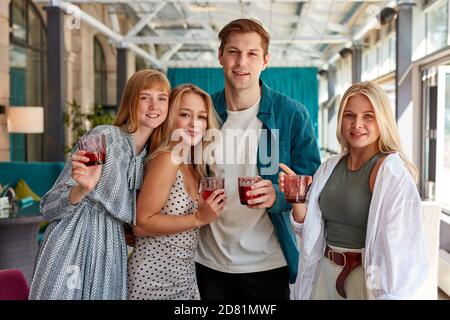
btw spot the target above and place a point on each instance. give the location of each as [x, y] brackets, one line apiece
[250, 251]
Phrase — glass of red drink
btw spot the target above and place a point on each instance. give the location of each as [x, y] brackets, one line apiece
[296, 187]
[209, 184]
[95, 147]
[245, 184]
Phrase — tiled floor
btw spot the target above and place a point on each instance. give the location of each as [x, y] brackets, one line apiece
[442, 295]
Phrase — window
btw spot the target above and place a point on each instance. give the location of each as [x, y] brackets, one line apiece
[99, 74]
[19, 19]
[28, 44]
[377, 53]
[436, 134]
[392, 53]
[436, 26]
[365, 68]
[384, 57]
[446, 200]
[428, 3]
[372, 63]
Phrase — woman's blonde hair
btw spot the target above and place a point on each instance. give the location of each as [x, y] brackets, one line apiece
[128, 115]
[163, 133]
[389, 140]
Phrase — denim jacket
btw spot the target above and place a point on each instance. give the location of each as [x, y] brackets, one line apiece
[291, 141]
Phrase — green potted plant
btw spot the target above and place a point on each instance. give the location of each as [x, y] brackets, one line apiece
[79, 122]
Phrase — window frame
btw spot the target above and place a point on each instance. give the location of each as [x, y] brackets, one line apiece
[41, 50]
[427, 9]
[102, 72]
[441, 82]
[428, 5]
[26, 45]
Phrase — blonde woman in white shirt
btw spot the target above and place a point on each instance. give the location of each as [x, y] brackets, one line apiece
[361, 228]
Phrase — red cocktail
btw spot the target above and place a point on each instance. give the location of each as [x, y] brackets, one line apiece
[244, 185]
[210, 184]
[95, 147]
[296, 187]
[206, 194]
[95, 158]
[296, 199]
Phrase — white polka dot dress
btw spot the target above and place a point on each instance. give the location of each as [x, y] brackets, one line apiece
[163, 267]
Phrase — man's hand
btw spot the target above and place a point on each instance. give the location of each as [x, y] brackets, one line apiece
[266, 195]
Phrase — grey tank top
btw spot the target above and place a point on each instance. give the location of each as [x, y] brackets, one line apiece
[345, 202]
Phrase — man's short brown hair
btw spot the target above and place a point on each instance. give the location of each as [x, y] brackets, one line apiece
[245, 26]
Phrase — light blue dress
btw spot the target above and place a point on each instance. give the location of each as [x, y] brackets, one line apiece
[83, 255]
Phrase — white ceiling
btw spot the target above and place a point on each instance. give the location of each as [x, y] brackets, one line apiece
[183, 33]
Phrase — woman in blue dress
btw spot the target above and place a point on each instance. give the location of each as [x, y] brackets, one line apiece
[83, 255]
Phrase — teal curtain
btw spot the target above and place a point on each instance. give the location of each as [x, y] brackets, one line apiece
[209, 79]
[17, 77]
[300, 84]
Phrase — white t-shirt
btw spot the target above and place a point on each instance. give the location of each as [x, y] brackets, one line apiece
[241, 240]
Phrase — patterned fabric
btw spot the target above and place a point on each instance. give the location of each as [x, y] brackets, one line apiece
[163, 267]
[83, 255]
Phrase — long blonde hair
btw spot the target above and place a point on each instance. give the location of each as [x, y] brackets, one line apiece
[163, 133]
[389, 140]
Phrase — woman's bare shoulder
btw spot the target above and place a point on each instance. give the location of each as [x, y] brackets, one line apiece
[163, 164]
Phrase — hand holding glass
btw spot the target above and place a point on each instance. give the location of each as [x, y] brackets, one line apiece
[296, 187]
[210, 184]
[245, 184]
[95, 147]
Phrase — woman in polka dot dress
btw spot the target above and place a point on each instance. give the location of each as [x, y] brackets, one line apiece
[169, 211]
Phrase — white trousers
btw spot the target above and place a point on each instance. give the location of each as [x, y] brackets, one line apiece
[325, 284]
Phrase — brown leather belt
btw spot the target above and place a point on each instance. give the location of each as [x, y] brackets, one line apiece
[348, 260]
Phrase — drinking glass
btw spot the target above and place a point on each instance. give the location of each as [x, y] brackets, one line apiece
[209, 184]
[296, 187]
[95, 147]
[244, 185]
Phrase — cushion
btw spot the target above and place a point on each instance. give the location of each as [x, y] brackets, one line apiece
[23, 191]
[40, 176]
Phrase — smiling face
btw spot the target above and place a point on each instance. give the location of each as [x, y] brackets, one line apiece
[359, 124]
[192, 118]
[153, 106]
[243, 60]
